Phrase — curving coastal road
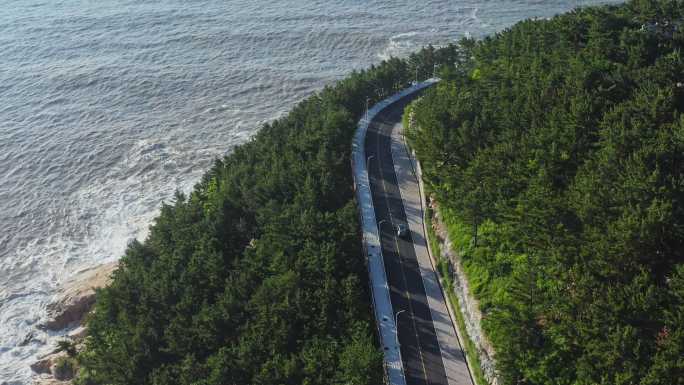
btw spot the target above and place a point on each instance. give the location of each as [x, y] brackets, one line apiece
[430, 350]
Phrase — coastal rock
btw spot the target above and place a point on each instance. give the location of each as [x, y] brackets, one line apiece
[77, 296]
[70, 305]
[30, 337]
[42, 365]
[49, 381]
[58, 367]
[78, 334]
[47, 364]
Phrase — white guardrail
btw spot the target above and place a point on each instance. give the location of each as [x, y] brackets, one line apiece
[382, 304]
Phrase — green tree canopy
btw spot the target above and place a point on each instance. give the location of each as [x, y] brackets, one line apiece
[557, 153]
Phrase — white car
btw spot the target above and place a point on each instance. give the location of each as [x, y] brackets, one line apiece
[402, 231]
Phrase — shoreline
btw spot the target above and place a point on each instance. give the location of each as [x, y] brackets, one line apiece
[67, 313]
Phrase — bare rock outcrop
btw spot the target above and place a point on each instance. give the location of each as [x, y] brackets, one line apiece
[42, 366]
[69, 307]
[50, 381]
[77, 296]
[52, 369]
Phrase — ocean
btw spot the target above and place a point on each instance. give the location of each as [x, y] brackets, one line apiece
[107, 107]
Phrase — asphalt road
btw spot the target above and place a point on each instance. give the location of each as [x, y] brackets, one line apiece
[419, 345]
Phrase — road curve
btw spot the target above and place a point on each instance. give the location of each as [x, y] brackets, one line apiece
[429, 347]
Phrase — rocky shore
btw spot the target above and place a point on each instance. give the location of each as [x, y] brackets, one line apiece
[67, 311]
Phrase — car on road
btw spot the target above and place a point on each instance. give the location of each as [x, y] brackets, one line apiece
[402, 231]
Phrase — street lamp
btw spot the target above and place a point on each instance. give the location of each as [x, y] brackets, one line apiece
[367, 101]
[369, 158]
[396, 324]
[380, 230]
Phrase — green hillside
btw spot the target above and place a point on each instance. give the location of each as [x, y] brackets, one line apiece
[556, 153]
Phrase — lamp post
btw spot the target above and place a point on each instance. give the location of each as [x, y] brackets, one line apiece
[379, 230]
[367, 101]
[383, 221]
[369, 158]
[396, 324]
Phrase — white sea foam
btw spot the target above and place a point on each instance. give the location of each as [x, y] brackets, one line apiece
[399, 45]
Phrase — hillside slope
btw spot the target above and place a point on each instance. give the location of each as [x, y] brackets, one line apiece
[556, 152]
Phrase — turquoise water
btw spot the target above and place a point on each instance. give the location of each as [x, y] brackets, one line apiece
[107, 107]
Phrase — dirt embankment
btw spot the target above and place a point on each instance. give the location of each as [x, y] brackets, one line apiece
[469, 306]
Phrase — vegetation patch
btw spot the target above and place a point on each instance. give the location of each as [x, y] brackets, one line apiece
[65, 368]
[469, 347]
[556, 152]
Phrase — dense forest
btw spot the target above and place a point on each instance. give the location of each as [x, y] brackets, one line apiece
[555, 150]
[257, 276]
